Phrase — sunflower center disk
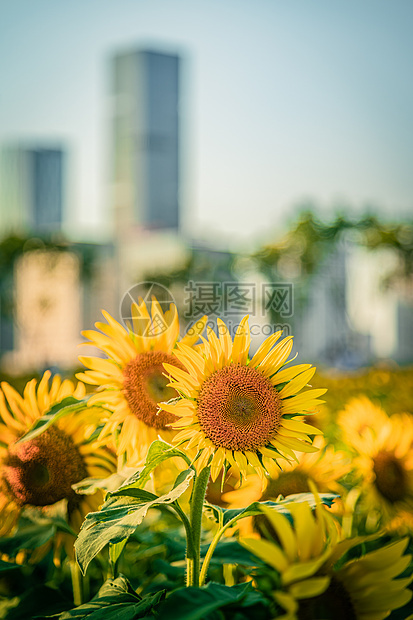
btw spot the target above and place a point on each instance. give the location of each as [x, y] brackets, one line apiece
[41, 471]
[145, 386]
[335, 603]
[238, 408]
[390, 477]
[287, 483]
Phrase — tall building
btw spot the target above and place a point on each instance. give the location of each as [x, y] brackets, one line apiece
[145, 196]
[145, 89]
[31, 189]
[48, 311]
[322, 329]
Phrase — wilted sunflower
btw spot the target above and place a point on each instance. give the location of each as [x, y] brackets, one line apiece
[40, 472]
[385, 467]
[359, 418]
[131, 382]
[240, 411]
[305, 556]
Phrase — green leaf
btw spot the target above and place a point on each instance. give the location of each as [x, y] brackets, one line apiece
[177, 573]
[118, 519]
[139, 494]
[115, 550]
[182, 476]
[37, 602]
[201, 603]
[89, 486]
[116, 600]
[28, 538]
[231, 552]
[254, 509]
[65, 407]
[7, 565]
[33, 535]
[158, 452]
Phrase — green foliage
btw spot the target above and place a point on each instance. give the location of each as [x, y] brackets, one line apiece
[225, 516]
[240, 601]
[153, 553]
[36, 603]
[309, 241]
[89, 486]
[229, 551]
[154, 557]
[65, 407]
[33, 533]
[158, 452]
[116, 600]
[120, 516]
[7, 566]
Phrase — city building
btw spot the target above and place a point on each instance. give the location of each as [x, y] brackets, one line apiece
[145, 151]
[145, 96]
[48, 312]
[32, 179]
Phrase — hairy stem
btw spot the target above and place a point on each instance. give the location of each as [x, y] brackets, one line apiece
[189, 543]
[197, 505]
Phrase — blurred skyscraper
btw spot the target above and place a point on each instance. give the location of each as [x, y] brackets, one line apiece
[146, 146]
[146, 139]
[32, 189]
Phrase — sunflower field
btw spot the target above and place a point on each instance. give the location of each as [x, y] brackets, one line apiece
[183, 477]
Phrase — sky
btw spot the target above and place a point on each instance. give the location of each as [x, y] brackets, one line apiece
[283, 102]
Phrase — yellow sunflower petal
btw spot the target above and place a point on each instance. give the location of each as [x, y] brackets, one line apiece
[225, 339]
[284, 531]
[310, 587]
[7, 417]
[302, 427]
[242, 341]
[297, 384]
[266, 551]
[192, 336]
[264, 349]
[191, 359]
[105, 367]
[277, 357]
[286, 374]
[15, 401]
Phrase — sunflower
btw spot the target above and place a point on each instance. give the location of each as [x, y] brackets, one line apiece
[359, 418]
[312, 584]
[130, 383]
[238, 411]
[324, 468]
[385, 466]
[40, 472]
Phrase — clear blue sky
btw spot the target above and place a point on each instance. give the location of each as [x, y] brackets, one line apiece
[284, 100]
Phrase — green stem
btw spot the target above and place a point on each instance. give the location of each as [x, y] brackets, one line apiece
[86, 587]
[208, 556]
[349, 508]
[186, 523]
[76, 583]
[197, 506]
[212, 548]
[190, 553]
